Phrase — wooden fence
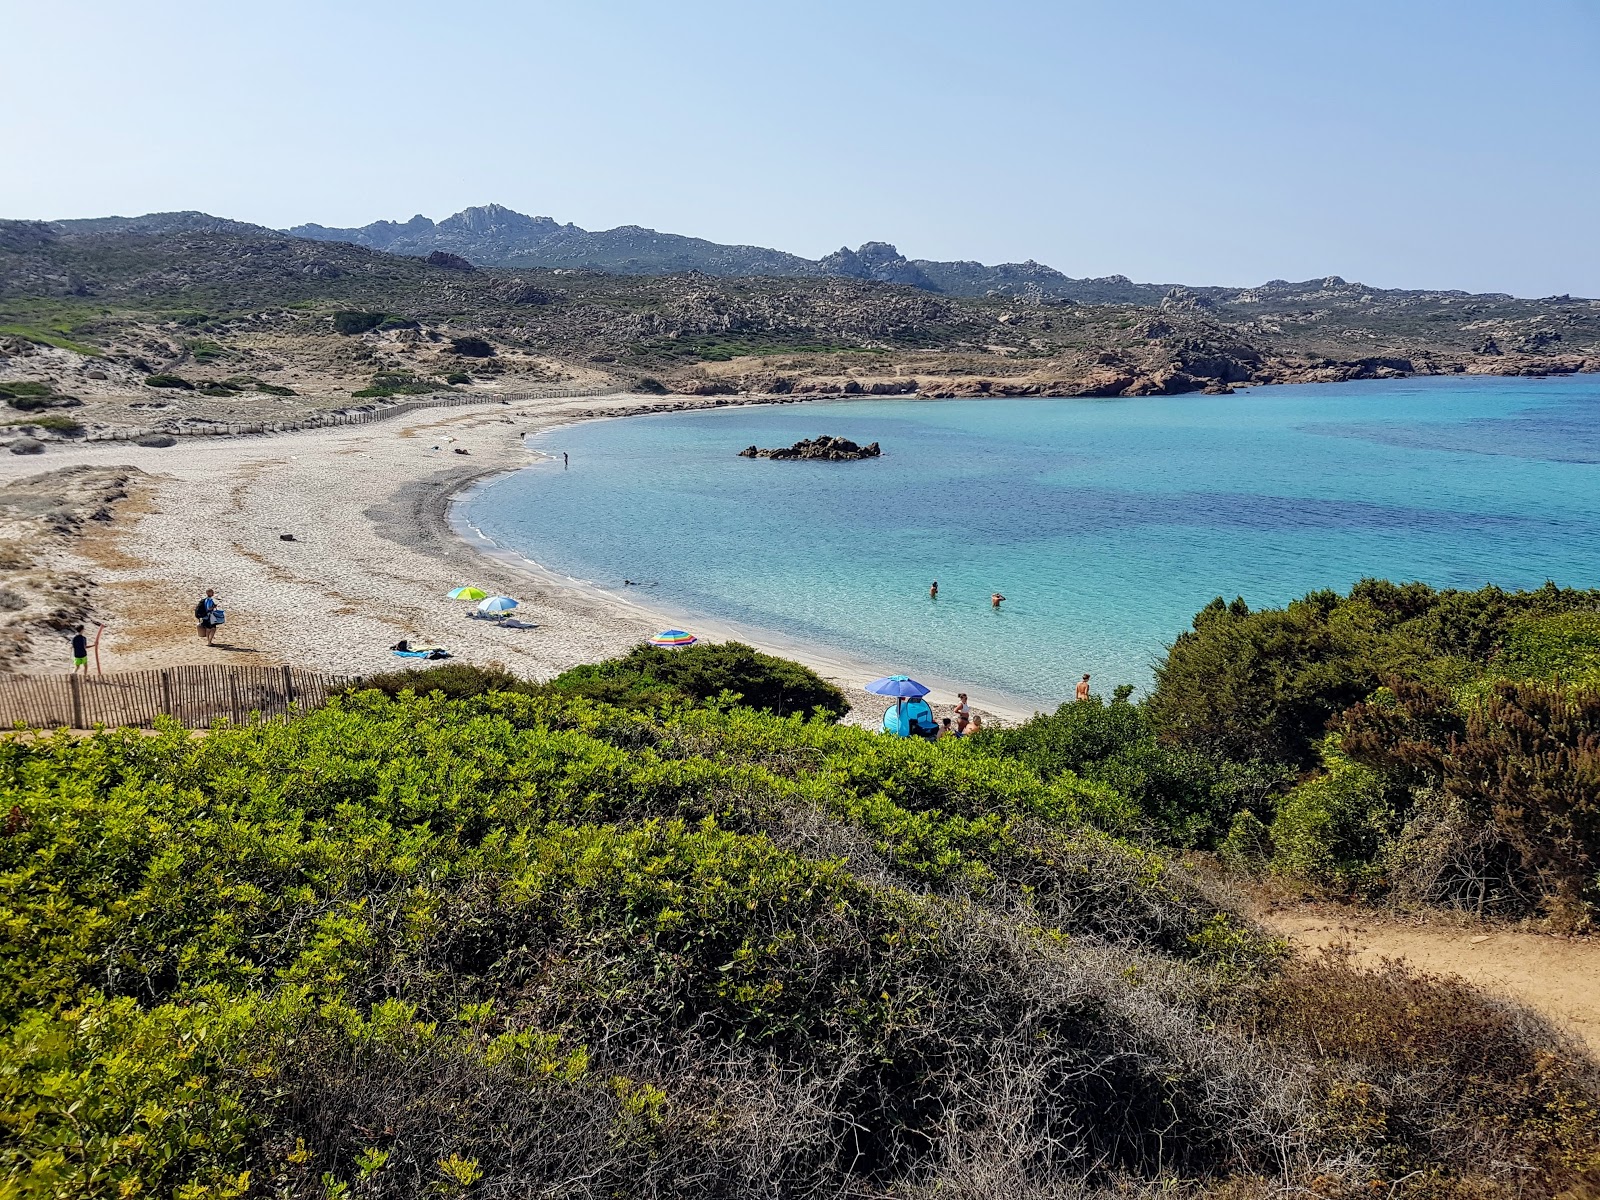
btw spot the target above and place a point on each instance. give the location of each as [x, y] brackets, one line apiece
[193, 696]
[328, 420]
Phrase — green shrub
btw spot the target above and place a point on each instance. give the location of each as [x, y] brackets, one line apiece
[458, 377]
[471, 347]
[1564, 646]
[24, 389]
[62, 425]
[168, 381]
[494, 941]
[649, 676]
[651, 386]
[1187, 797]
[386, 384]
[351, 322]
[1330, 830]
[391, 322]
[275, 389]
[456, 681]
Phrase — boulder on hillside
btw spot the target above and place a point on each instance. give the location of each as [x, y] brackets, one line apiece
[450, 262]
[27, 445]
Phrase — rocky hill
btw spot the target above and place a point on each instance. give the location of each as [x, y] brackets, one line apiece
[252, 321]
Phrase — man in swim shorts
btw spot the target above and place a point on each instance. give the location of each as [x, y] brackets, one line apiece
[1082, 692]
[80, 651]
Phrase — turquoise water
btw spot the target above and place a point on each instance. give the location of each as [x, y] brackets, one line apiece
[1106, 523]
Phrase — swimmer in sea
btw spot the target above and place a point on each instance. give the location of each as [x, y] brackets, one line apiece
[933, 591]
[994, 600]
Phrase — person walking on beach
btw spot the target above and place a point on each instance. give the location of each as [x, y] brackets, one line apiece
[1082, 691]
[80, 651]
[963, 714]
[564, 463]
[994, 600]
[933, 590]
[204, 615]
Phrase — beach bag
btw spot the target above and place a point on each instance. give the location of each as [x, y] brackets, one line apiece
[200, 611]
[218, 616]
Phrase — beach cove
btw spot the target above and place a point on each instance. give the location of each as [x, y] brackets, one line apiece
[374, 551]
[1500, 478]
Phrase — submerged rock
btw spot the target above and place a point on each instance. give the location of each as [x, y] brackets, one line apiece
[826, 449]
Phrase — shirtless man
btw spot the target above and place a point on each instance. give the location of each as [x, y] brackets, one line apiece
[1082, 692]
[994, 600]
[933, 591]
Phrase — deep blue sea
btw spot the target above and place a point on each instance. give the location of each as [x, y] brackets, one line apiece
[1105, 523]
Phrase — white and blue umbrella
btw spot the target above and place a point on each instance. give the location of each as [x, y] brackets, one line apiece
[497, 604]
[901, 686]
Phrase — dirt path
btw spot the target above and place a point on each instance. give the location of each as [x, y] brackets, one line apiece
[1558, 976]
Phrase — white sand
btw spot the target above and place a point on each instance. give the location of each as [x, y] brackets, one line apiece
[373, 557]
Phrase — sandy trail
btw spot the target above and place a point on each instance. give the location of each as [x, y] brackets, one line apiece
[1558, 976]
[372, 557]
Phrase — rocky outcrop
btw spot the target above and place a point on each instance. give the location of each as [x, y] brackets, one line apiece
[822, 449]
[450, 262]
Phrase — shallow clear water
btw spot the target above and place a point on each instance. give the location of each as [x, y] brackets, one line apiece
[1106, 523]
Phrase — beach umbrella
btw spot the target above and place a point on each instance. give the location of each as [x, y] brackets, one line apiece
[897, 685]
[673, 637]
[468, 593]
[497, 604]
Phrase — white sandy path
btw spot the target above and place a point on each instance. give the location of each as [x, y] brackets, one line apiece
[373, 557]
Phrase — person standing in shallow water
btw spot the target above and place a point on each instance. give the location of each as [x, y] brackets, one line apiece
[1082, 692]
[994, 600]
[933, 590]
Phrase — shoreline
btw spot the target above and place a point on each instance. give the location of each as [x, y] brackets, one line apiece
[328, 545]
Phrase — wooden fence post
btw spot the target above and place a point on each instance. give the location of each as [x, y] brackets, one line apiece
[166, 693]
[233, 688]
[288, 684]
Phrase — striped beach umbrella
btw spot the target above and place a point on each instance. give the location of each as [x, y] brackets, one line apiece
[468, 593]
[497, 604]
[673, 637]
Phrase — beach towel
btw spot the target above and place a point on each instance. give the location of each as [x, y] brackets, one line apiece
[434, 652]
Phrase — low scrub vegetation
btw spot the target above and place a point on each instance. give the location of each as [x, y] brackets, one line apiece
[459, 933]
[1398, 743]
[387, 384]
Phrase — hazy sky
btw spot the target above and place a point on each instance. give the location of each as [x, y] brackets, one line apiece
[1449, 143]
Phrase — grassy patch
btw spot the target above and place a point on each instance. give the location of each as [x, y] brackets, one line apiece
[62, 425]
[384, 386]
[48, 337]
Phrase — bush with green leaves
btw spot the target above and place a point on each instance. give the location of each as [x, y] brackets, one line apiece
[1188, 798]
[1331, 829]
[177, 382]
[351, 322]
[412, 945]
[654, 675]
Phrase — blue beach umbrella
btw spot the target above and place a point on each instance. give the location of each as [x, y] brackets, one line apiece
[497, 604]
[897, 685]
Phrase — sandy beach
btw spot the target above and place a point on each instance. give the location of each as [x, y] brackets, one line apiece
[374, 552]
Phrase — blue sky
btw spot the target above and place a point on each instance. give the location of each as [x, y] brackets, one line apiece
[1402, 143]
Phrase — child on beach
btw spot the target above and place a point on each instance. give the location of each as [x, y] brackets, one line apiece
[80, 651]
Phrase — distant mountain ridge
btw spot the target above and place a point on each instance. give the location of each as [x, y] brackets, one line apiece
[496, 236]
[493, 235]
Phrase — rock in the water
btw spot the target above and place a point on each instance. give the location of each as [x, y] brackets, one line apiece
[158, 441]
[27, 445]
[824, 449]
